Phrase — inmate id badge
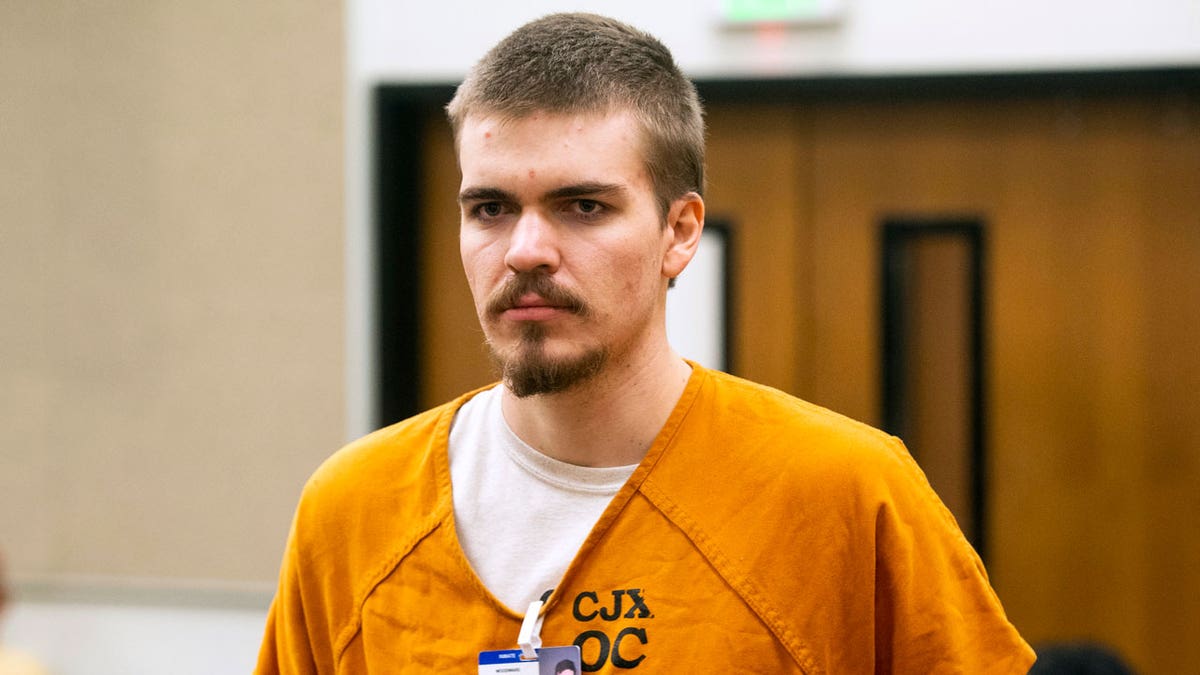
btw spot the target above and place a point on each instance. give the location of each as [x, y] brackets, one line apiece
[551, 661]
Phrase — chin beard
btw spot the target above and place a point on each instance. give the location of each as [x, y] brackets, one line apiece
[530, 371]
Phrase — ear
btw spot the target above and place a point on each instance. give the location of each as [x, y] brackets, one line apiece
[685, 222]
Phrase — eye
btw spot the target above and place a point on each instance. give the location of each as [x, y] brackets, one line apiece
[587, 208]
[488, 210]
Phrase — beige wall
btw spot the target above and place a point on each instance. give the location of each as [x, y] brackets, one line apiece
[171, 282]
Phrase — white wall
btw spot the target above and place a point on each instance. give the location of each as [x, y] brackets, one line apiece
[120, 639]
[439, 41]
[391, 41]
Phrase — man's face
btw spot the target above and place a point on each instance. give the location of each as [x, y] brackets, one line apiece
[563, 244]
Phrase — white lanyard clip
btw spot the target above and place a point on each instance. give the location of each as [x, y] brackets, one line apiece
[530, 637]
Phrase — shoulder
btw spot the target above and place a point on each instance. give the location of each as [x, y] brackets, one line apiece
[750, 453]
[758, 404]
[381, 485]
[744, 451]
[378, 459]
[767, 429]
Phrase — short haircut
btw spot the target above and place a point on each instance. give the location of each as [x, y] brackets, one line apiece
[565, 664]
[581, 63]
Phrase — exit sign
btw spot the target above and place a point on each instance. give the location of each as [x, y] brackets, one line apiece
[754, 12]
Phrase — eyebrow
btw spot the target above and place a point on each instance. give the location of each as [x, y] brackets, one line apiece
[485, 194]
[585, 189]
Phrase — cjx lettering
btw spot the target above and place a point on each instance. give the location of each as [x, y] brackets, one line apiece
[623, 647]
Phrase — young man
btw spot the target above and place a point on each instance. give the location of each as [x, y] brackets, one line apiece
[667, 514]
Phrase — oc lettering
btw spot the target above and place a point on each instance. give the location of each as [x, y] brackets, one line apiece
[617, 650]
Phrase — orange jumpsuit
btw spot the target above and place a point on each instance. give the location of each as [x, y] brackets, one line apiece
[760, 533]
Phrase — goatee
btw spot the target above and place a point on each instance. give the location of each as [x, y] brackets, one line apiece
[529, 370]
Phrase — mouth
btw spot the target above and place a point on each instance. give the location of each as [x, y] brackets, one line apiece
[532, 313]
[534, 298]
[532, 307]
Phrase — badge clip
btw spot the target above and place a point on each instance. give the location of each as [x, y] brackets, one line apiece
[530, 637]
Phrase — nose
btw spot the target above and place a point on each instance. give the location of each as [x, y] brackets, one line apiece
[533, 244]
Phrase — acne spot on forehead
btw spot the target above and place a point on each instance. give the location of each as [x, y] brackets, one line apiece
[532, 173]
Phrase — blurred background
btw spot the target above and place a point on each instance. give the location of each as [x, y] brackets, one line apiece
[228, 245]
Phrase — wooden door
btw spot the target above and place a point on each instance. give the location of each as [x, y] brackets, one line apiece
[1092, 215]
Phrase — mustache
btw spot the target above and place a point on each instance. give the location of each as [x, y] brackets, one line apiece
[539, 284]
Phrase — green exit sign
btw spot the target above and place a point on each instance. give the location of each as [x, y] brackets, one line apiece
[744, 12]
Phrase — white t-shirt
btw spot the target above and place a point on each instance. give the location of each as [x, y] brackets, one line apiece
[521, 516]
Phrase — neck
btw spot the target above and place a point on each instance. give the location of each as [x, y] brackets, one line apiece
[609, 420]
